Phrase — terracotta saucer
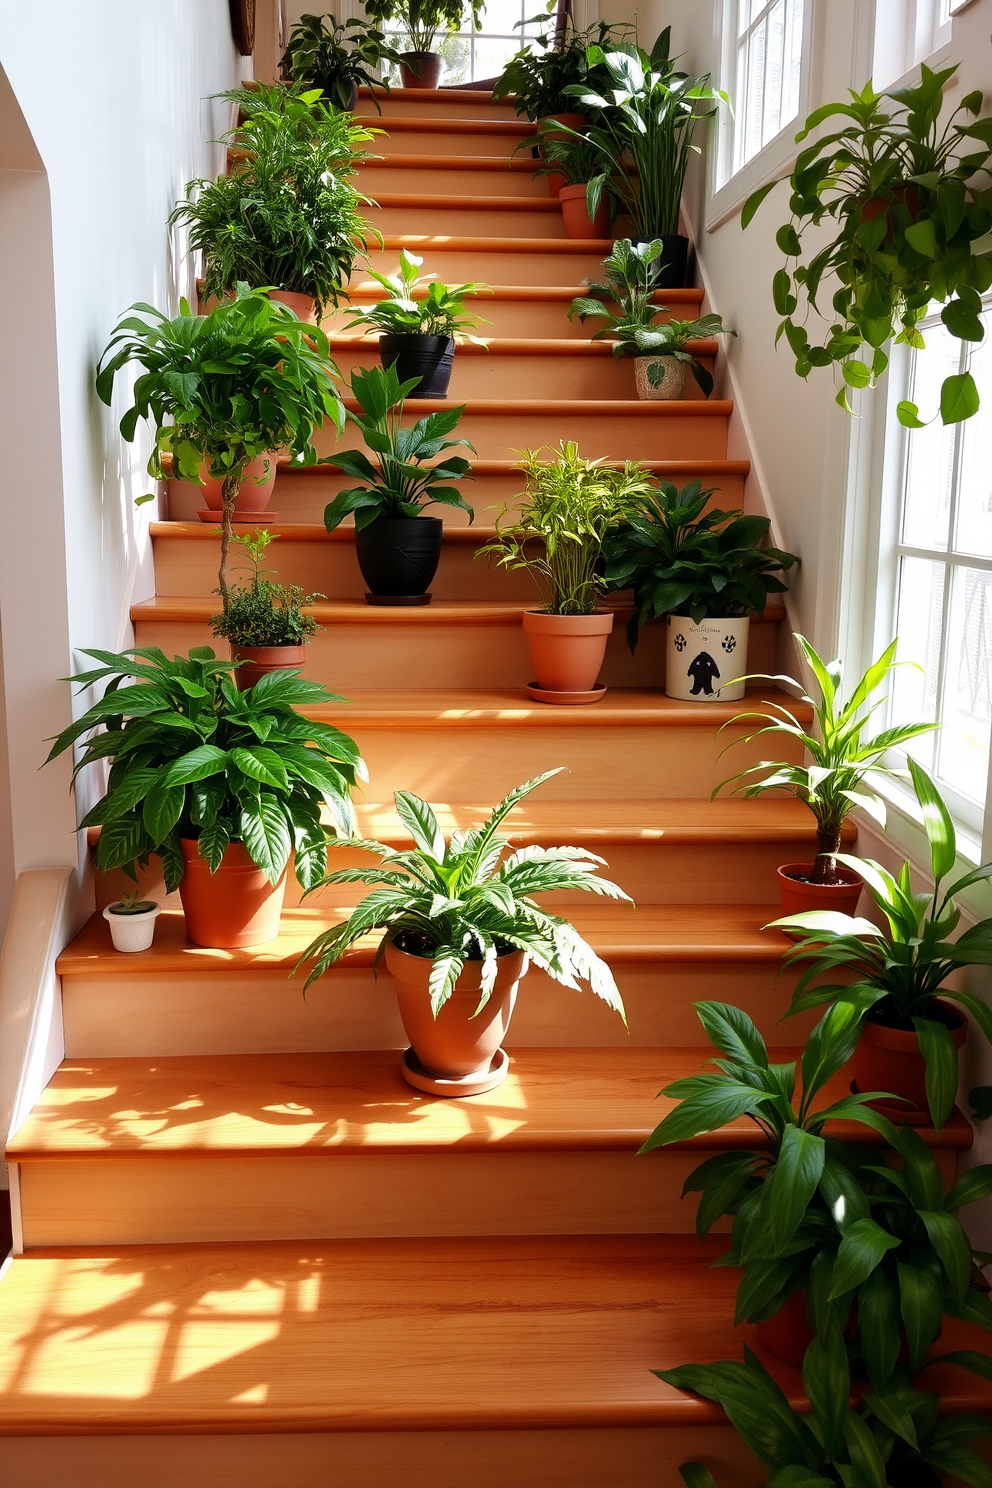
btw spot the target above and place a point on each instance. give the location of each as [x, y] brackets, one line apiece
[476, 1084]
[397, 599]
[568, 699]
[241, 519]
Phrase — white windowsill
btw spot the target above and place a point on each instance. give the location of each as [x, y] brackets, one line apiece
[773, 160]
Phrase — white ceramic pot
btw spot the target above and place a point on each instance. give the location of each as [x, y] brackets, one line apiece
[706, 663]
[132, 932]
[670, 372]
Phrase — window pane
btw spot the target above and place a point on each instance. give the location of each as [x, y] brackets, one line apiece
[491, 55]
[919, 619]
[500, 16]
[768, 72]
[930, 451]
[963, 742]
[974, 534]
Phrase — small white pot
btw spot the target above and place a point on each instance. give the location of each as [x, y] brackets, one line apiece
[672, 381]
[706, 663]
[132, 932]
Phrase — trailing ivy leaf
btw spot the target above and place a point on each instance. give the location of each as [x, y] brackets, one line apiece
[958, 398]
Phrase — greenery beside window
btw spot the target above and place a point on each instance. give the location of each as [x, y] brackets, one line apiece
[570, 505]
[537, 81]
[418, 305]
[263, 613]
[336, 57]
[424, 20]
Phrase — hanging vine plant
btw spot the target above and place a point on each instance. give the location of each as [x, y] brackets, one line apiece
[911, 205]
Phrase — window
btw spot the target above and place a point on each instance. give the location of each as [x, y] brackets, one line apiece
[938, 598]
[769, 45]
[470, 55]
[908, 32]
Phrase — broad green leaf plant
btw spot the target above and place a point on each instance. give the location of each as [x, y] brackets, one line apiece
[417, 305]
[192, 757]
[905, 201]
[469, 899]
[537, 80]
[901, 971]
[402, 482]
[424, 20]
[569, 507]
[843, 764]
[336, 57]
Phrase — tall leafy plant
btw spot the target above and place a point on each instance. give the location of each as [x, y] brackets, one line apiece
[424, 21]
[537, 76]
[336, 57]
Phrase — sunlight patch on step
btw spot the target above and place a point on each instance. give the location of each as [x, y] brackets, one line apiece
[203, 1346]
[118, 1363]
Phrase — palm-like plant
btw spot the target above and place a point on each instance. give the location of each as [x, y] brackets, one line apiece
[464, 900]
[842, 762]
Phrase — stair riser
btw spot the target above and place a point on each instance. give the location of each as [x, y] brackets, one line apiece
[449, 142]
[487, 265]
[469, 222]
[158, 1015]
[405, 103]
[377, 654]
[485, 179]
[531, 318]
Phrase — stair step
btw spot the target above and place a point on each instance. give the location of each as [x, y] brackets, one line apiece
[432, 103]
[340, 1147]
[483, 259]
[468, 175]
[281, 1357]
[500, 216]
[443, 136]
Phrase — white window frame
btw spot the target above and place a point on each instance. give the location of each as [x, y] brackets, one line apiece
[730, 188]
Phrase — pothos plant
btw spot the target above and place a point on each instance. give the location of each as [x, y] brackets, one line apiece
[910, 227]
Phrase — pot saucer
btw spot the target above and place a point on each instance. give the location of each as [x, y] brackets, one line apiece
[397, 599]
[241, 519]
[475, 1084]
[566, 699]
[897, 1111]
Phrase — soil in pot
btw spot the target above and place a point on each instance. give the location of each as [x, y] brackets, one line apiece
[253, 495]
[258, 661]
[799, 894]
[575, 214]
[659, 378]
[888, 1058]
[236, 906]
[428, 357]
[566, 653]
[398, 557]
[671, 266]
[420, 69]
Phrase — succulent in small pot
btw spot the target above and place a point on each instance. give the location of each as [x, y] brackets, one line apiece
[705, 572]
[460, 927]
[397, 547]
[265, 622]
[337, 57]
[660, 348]
[224, 786]
[132, 922]
[419, 323]
[422, 22]
[570, 505]
[901, 972]
[843, 766]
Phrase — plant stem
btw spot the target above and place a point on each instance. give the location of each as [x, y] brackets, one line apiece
[825, 863]
[229, 491]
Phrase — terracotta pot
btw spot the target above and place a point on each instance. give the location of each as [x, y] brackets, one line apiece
[236, 906]
[706, 663]
[881, 206]
[258, 661]
[659, 377]
[302, 305]
[799, 897]
[253, 495]
[787, 1335]
[420, 69]
[570, 120]
[555, 182]
[454, 1045]
[889, 1059]
[578, 223]
[567, 651]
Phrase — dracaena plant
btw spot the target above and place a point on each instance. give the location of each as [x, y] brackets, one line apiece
[469, 899]
[901, 971]
[681, 559]
[844, 765]
[874, 1247]
[417, 305]
[402, 482]
[192, 757]
[905, 201]
[336, 57]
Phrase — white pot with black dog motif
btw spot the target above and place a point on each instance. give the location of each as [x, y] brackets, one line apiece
[706, 663]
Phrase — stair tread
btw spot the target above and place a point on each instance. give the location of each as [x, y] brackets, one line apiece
[483, 707]
[554, 1099]
[368, 289]
[578, 407]
[523, 346]
[441, 201]
[357, 612]
[435, 95]
[410, 123]
[417, 160]
[621, 933]
[458, 243]
[342, 1335]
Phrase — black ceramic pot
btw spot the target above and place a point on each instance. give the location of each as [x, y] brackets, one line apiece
[398, 557]
[428, 357]
[670, 268]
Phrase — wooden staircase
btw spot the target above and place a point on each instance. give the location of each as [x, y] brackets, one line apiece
[252, 1254]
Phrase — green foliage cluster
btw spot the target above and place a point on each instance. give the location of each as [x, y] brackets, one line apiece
[287, 215]
[471, 900]
[417, 305]
[263, 613]
[910, 228]
[425, 20]
[336, 57]
[570, 506]
[537, 80]
[571, 156]
[192, 757]
[401, 483]
[681, 559]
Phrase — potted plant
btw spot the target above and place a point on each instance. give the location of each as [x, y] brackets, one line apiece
[912, 1026]
[831, 1240]
[843, 766]
[537, 80]
[460, 928]
[423, 21]
[264, 622]
[227, 388]
[705, 573]
[398, 548]
[660, 350]
[286, 217]
[224, 786]
[337, 58]
[570, 505]
[132, 922]
[645, 112]
[897, 191]
[419, 322]
[569, 163]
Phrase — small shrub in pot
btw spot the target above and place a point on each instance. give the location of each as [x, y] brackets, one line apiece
[423, 21]
[266, 623]
[338, 58]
